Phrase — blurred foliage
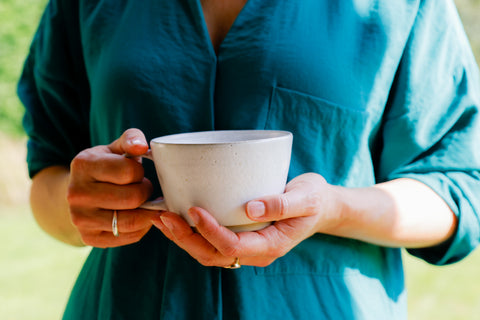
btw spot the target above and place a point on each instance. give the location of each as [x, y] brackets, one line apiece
[20, 18]
[470, 13]
[18, 22]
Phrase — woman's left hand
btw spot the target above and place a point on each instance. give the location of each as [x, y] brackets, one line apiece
[307, 206]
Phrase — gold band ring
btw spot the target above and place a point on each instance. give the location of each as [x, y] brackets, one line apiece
[235, 264]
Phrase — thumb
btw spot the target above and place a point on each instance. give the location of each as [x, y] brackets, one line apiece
[132, 142]
[277, 207]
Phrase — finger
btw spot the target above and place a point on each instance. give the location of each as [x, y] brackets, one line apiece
[207, 253]
[101, 220]
[305, 195]
[119, 170]
[105, 239]
[258, 248]
[132, 221]
[99, 164]
[202, 251]
[272, 208]
[116, 169]
[177, 229]
[220, 237]
[111, 196]
[295, 202]
[263, 243]
[131, 142]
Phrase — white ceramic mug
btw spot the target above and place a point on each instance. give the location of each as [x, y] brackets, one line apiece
[220, 171]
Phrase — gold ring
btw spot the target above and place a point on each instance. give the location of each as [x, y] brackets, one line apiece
[234, 265]
[115, 224]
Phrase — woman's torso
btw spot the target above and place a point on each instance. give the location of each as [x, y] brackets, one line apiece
[320, 69]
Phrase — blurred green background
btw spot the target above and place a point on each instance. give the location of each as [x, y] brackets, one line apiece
[37, 272]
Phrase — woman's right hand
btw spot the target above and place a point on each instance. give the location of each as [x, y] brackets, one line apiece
[102, 180]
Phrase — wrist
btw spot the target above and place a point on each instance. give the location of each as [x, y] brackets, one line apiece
[50, 207]
[359, 213]
[335, 209]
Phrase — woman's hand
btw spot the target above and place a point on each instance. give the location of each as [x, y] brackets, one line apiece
[398, 213]
[306, 204]
[102, 180]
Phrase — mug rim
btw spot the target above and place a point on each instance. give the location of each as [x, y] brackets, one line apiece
[218, 137]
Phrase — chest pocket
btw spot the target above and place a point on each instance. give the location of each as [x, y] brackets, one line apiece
[329, 139]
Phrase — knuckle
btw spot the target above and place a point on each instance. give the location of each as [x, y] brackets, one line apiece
[312, 203]
[89, 239]
[82, 160]
[134, 236]
[122, 198]
[283, 205]
[230, 251]
[281, 252]
[77, 219]
[147, 188]
[266, 263]
[131, 222]
[206, 261]
[277, 207]
[78, 161]
[140, 193]
[277, 252]
[129, 173]
[209, 231]
[72, 195]
[279, 247]
[140, 234]
[134, 197]
[76, 195]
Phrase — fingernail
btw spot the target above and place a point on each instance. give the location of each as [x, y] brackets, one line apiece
[138, 142]
[167, 223]
[256, 209]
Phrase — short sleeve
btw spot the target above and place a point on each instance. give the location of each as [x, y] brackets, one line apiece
[54, 89]
[432, 127]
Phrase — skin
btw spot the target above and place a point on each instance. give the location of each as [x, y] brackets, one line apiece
[219, 17]
[78, 210]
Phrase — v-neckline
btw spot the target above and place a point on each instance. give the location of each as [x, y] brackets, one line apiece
[205, 31]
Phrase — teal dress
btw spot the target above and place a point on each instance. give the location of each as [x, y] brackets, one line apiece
[372, 90]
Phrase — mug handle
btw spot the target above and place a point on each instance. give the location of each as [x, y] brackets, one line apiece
[157, 204]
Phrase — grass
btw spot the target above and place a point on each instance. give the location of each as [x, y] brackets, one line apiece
[37, 272]
[443, 293]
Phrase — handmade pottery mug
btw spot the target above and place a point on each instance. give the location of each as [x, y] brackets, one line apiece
[220, 171]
